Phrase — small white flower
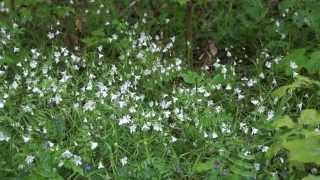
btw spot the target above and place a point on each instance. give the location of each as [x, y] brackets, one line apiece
[29, 159]
[33, 64]
[229, 54]
[4, 137]
[157, 127]
[261, 109]
[257, 166]
[89, 105]
[254, 131]
[26, 139]
[264, 148]
[246, 153]
[51, 35]
[133, 128]
[270, 115]
[56, 99]
[240, 96]
[293, 65]
[205, 135]
[300, 106]
[67, 154]
[124, 161]
[214, 135]
[1, 104]
[173, 139]
[268, 64]
[15, 49]
[100, 48]
[60, 164]
[94, 145]
[254, 102]
[125, 120]
[228, 87]
[100, 166]
[77, 160]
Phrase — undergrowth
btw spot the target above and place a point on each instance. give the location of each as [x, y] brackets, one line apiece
[179, 89]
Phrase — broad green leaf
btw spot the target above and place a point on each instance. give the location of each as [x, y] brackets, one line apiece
[303, 59]
[300, 82]
[273, 150]
[311, 177]
[282, 91]
[309, 117]
[284, 121]
[297, 56]
[98, 32]
[191, 77]
[203, 167]
[305, 150]
[241, 172]
[218, 79]
[314, 65]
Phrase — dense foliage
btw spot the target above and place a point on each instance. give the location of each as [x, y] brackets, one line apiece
[165, 89]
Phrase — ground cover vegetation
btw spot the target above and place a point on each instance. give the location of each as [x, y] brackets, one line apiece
[166, 89]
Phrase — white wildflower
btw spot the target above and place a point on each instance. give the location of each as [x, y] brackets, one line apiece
[77, 160]
[270, 115]
[2, 104]
[29, 159]
[214, 135]
[67, 154]
[100, 166]
[293, 65]
[94, 145]
[4, 137]
[124, 161]
[89, 105]
[125, 120]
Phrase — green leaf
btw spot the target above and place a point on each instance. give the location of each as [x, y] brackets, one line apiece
[191, 77]
[303, 59]
[273, 150]
[282, 91]
[305, 150]
[182, 2]
[203, 167]
[284, 121]
[297, 56]
[98, 32]
[300, 82]
[218, 79]
[309, 117]
[314, 65]
[311, 177]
